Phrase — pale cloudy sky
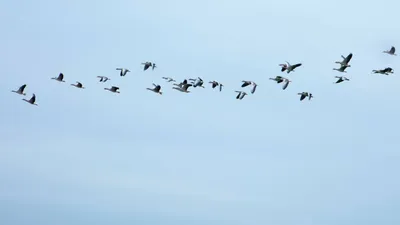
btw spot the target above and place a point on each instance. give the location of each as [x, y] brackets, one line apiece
[93, 157]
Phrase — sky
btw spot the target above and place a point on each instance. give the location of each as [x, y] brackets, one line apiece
[94, 157]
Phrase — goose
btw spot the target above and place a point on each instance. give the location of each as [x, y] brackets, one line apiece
[341, 79]
[199, 82]
[78, 85]
[123, 71]
[168, 79]
[286, 84]
[103, 78]
[391, 51]
[246, 83]
[113, 89]
[184, 82]
[346, 60]
[32, 100]
[304, 95]
[241, 95]
[156, 89]
[59, 78]
[146, 65]
[341, 69]
[278, 79]
[213, 83]
[20, 90]
[289, 68]
[385, 71]
[183, 88]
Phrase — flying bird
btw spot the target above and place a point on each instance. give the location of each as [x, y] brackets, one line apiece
[341, 69]
[184, 82]
[32, 100]
[168, 79]
[278, 79]
[247, 83]
[183, 88]
[385, 71]
[214, 83]
[391, 51]
[20, 90]
[304, 95]
[346, 60]
[113, 89]
[103, 78]
[59, 78]
[240, 95]
[78, 85]
[341, 79]
[197, 82]
[156, 89]
[123, 71]
[148, 65]
[288, 67]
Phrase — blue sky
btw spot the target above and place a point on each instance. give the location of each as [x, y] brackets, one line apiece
[91, 156]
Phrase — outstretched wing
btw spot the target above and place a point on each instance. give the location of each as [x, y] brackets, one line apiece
[21, 89]
[296, 65]
[246, 83]
[61, 76]
[254, 89]
[392, 50]
[285, 85]
[348, 58]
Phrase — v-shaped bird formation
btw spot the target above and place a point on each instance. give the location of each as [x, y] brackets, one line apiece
[185, 86]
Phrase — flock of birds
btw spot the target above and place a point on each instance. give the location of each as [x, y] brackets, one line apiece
[198, 82]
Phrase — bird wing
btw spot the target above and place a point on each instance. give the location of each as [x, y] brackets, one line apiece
[296, 65]
[33, 99]
[245, 83]
[157, 88]
[21, 89]
[220, 87]
[392, 49]
[61, 76]
[285, 85]
[237, 97]
[302, 97]
[254, 89]
[348, 58]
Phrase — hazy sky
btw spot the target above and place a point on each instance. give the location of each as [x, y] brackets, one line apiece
[204, 158]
